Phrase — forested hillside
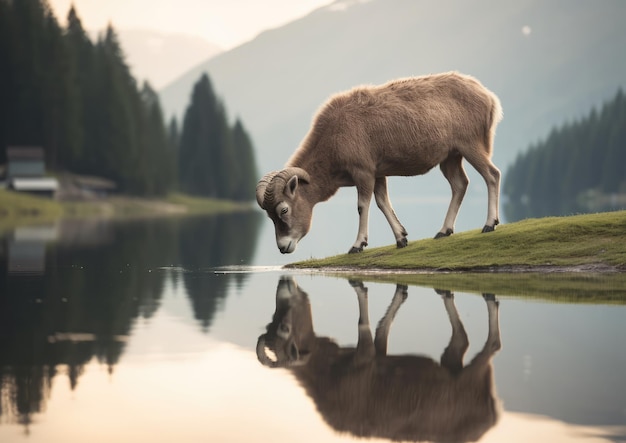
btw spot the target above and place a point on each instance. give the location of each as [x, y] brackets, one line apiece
[579, 167]
[81, 103]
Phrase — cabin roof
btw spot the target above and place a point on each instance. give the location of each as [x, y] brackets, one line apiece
[25, 153]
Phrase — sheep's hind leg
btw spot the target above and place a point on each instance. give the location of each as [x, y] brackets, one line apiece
[452, 169]
[384, 204]
[492, 179]
[452, 357]
[491, 174]
[493, 343]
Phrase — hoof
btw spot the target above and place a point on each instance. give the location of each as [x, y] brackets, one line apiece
[404, 291]
[354, 249]
[356, 283]
[488, 228]
[448, 233]
[444, 293]
[402, 243]
[491, 298]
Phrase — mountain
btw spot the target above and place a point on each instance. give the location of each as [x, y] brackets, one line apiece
[548, 61]
[161, 57]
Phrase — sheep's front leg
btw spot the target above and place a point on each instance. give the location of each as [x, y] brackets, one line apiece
[384, 325]
[365, 345]
[384, 204]
[452, 169]
[364, 197]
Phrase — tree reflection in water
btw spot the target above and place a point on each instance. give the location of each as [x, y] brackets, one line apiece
[368, 393]
[93, 281]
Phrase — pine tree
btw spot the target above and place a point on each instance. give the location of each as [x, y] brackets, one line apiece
[614, 165]
[61, 136]
[173, 134]
[173, 137]
[7, 44]
[83, 79]
[200, 142]
[118, 141]
[215, 160]
[245, 163]
[25, 62]
[157, 159]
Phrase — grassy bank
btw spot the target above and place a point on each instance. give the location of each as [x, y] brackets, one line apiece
[18, 208]
[590, 241]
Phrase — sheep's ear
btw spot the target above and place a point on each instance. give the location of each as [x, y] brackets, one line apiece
[291, 187]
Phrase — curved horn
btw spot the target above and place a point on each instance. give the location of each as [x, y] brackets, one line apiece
[262, 185]
[262, 355]
[301, 173]
[285, 174]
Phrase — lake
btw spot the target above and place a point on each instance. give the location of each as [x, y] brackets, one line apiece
[189, 330]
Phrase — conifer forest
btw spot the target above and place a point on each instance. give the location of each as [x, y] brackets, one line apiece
[79, 101]
[579, 167]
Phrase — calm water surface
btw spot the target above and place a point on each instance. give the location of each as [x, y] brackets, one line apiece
[188, 330]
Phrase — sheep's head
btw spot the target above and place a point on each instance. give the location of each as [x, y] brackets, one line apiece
[279, 193]
[289, 337]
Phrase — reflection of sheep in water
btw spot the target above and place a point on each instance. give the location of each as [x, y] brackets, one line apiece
[367, 393]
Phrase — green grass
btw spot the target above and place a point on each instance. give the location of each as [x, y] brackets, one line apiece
[468, 261]
[16, 207]
[581, 240]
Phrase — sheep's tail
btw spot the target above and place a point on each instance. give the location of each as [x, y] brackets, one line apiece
[495, 115]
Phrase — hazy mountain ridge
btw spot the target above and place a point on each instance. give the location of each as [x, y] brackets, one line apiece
[570, 61]
[162, 57]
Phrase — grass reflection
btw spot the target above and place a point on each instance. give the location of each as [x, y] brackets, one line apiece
[555, 287]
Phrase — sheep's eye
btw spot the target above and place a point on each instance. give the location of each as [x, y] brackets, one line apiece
[284, 211]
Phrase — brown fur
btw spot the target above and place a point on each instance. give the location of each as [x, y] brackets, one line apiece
[404, 127]
[401, 128]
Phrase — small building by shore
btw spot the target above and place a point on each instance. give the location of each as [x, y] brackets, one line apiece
[25, 171]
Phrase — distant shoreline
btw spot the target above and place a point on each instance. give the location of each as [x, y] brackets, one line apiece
[18, 209]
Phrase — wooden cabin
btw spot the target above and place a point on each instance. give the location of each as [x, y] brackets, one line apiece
[25, 171]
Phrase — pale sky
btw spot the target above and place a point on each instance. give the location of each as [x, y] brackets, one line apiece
[226, 23]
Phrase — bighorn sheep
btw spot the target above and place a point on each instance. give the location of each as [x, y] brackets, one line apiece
[367, 393]
[402, 128]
